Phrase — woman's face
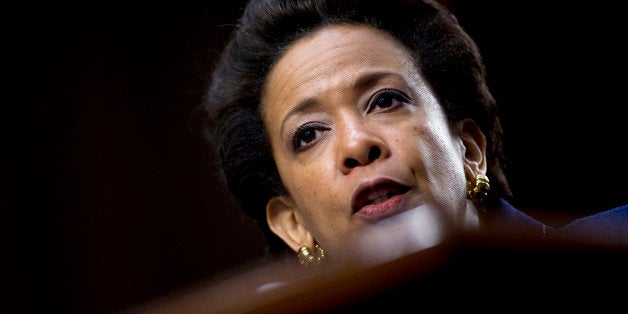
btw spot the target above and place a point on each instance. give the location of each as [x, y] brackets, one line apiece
[358, 137]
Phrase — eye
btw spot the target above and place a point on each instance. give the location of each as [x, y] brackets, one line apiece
[386, 99]
[306, 135]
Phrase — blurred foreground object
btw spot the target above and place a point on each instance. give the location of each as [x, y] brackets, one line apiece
[474, 270]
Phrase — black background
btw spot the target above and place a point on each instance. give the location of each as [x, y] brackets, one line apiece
[112, 193]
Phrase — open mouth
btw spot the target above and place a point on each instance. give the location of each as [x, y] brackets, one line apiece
[376, 193]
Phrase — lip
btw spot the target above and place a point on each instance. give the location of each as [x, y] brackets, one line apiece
[392, 190]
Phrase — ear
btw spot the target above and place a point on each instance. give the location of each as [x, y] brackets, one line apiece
[285, 221]
[473, 148]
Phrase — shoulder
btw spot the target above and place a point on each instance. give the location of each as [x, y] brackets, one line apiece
[609, 226]
[504, 218]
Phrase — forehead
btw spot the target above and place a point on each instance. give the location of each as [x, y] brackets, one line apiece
[333, 56]
[333, 46]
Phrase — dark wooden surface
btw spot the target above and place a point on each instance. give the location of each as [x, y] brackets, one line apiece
[473, 271]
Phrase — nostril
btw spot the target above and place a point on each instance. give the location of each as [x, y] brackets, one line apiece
[351, 163]
[374, 153]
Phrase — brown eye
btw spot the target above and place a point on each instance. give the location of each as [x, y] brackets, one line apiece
[306, 135]
[383, 101]
[386, 99]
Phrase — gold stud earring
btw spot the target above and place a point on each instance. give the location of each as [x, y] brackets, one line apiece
[308, 258]
[479, 188]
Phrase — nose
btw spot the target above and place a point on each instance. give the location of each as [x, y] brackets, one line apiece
[359, 145]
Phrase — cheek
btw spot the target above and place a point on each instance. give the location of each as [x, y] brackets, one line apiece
[440, 152]
[308, 175]
[443, 164]
[310, 190]
[434, 152]
[304, 183]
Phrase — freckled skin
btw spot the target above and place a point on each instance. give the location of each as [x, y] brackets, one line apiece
[417, 147]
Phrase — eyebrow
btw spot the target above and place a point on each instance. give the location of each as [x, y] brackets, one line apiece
[361, 83]
[302, 106]
[369, 79]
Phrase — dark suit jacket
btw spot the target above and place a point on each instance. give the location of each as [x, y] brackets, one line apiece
[606, 227]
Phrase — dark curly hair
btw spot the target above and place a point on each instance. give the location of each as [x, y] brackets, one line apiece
[230, 114]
